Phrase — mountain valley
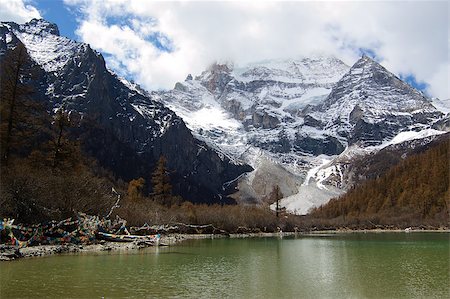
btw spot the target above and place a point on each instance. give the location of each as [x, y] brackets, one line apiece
[231, 134]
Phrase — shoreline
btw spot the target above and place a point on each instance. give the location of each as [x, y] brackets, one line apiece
[10, 253]
[379, 230]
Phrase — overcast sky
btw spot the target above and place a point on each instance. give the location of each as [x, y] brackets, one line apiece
[157, 43]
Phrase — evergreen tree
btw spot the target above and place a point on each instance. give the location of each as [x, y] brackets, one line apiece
[22, 116]
[61, 144]
[162, 189]
[275, 196]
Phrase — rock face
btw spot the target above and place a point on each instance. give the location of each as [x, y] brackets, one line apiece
[259, 105]
[123, 126]
[300, 115]
[370, 105]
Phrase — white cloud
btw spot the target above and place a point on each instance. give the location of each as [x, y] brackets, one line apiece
[408, 37]
[18, 11]
[439, 82]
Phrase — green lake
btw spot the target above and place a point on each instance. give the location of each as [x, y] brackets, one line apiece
[347, 265]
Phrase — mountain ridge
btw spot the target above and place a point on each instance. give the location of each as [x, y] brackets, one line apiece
[284, 118]
[274, 119]
[124, 129]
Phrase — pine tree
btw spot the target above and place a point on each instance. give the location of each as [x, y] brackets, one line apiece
[275, 196]
[22, 116]
[60, 143]
[162, 189]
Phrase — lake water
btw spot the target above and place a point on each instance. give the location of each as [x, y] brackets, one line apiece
[357, 265]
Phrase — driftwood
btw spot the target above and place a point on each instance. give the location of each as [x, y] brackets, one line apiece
[82, 229]
[116, 205]
[177, 228]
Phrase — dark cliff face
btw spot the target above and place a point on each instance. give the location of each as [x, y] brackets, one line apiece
[123, 128]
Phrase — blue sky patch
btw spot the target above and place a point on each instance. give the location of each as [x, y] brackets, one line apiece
[161, 41]
[369, 52]
[56, 11]
[411, 80]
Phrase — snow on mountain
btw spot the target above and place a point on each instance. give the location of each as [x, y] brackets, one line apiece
[370, 98]
[413, 135]
[44, 44]
[121, 125]
[255, 104]
[312, 70]
[305, 116]
[442, 105]
[297, 122]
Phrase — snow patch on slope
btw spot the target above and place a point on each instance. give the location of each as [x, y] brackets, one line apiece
[313, 171]
[441, 105]
[412, 135]
[308, 197]
[406, 136]
[44, 44]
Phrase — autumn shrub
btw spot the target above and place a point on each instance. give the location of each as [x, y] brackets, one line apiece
[230, 218]
[31, 195]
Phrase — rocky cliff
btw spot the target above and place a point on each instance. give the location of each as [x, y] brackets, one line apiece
[294, 120]
[123, 127]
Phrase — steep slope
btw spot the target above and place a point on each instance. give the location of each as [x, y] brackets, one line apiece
[251, 113]
[261, 99]
[353, 167]
[300, 122]
[120, 125]
[412, 192]
[370, 105]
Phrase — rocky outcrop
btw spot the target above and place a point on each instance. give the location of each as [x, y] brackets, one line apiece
[443, 124]
[261, 119]
[328, 146]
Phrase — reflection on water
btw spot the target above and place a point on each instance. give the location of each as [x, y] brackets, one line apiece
[393, 265]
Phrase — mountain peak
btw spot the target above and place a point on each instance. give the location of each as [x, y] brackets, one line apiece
[220, 67]
[43, 42]
[369, 98]
[40, 26]
[365, 56]
[369, 81]
[367, 62]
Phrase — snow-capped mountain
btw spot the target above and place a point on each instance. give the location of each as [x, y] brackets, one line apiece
[256, 105]
[122, 126]
[44, 44]
[298, 122]
[251, 113]
[370, 104]
[294, 120]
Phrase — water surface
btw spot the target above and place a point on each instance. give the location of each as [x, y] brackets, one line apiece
[371, 265]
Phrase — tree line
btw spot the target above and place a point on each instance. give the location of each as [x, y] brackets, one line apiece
[411, 193]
